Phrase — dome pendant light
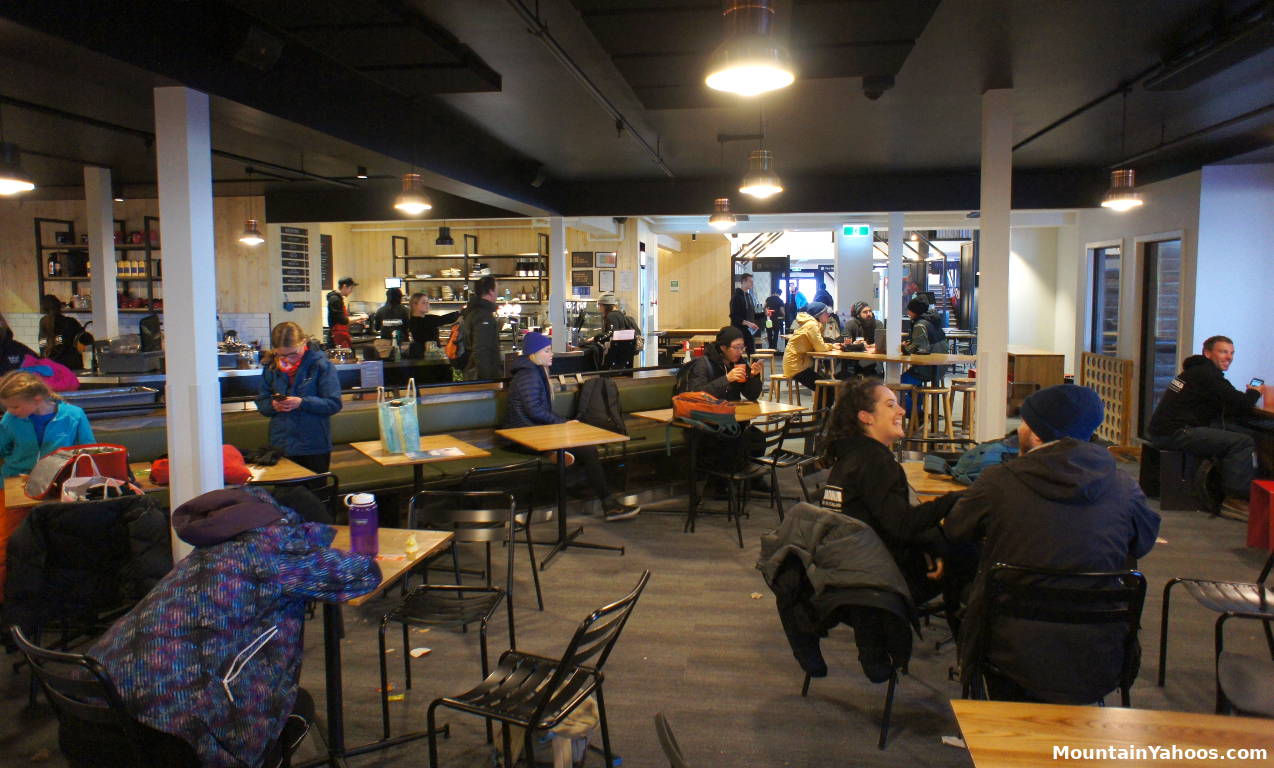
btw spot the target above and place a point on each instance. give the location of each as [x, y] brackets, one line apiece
[12, 178]
[1122, 195]
[761, 181]
[412, 200]
[251, 235]
[750, 60]
[722, 217]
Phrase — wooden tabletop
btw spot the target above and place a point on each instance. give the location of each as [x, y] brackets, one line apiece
[745, 411]
[1016, 735]
[393, 559]
[926, 484]
[15, 496]
[554, 437]
[689, 331]
[897, 357]
[445, 444]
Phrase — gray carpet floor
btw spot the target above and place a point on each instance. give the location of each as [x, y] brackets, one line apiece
[705, 648]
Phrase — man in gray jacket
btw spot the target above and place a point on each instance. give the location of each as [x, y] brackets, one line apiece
[1062, 505]
[480, 330]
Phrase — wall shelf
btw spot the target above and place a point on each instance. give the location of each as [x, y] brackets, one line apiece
[46, 252]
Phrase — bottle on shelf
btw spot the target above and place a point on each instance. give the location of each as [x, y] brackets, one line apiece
[55, 264]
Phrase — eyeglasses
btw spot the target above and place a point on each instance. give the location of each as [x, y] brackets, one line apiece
[739, 347]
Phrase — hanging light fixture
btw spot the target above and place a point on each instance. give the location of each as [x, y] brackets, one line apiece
[761, 181]
[1122, 195]
[751, 59]
[722, 217]
[412, 200]
[251, 235]
[12, 178]
[361, 172]
[444, 235]
[117, 192]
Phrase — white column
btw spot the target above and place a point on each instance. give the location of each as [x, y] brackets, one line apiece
[101, 250]
[993, 262]
[853, 269]
[183, 154]
[559, 293]
[892, 300]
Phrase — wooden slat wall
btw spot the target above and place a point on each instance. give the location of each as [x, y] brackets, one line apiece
[240, 270]
[1111, 379]
[702, 270]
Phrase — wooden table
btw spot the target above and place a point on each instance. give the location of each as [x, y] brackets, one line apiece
[1036, 368]
[559, 438]
[373, 450]
[927, 485]
[394, 562]
[16, 497]
[1016, 735]
[940, 361]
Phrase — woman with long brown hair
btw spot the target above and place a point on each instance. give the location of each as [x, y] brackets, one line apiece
[299, 393]
[422, 326]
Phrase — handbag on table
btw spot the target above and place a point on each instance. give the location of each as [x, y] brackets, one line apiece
[94, 460]
[399, 426]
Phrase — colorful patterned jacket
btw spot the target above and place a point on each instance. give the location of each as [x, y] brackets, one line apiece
[213, 652]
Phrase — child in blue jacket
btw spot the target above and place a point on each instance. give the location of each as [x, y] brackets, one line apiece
[36, 422]
[299, 392]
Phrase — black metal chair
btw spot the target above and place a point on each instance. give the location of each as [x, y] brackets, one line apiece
[668, 742]
[1060, 597]
[1230, 599]
[518, 479]
[537, 692]
[1243, 685]
[739, 480]
[326, 487]
[799, 426]
[454, 605]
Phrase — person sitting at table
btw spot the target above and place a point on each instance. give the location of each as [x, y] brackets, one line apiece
[299, 393]
[807, 337]
[210, 659]
[1062, 505]
[530, 403]
[927, 338]
[862, 325]
[865, 482]
[423, 326]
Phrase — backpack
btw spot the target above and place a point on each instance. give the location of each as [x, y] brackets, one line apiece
[971, 463]
[706, 412]
[598, 405]
[455, 350]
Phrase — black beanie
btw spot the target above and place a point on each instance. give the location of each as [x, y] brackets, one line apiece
[859, 306]
[1066, 410]
[728, 335]
[918, 306]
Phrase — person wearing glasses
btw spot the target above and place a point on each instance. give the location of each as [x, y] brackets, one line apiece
[299, 393]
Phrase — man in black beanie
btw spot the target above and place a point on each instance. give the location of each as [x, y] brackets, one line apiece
[1062, 505]
[723, 372]
[927, 338]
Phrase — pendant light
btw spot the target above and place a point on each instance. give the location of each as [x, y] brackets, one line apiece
[1122, 195]
[761, 181]
[722, 217]
[251, 235]
[444, 235]
[412, 200]
[12, 178]
[750, 60]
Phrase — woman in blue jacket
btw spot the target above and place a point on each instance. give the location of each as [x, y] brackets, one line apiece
[299, 393]
[36, 422]
[530, 404]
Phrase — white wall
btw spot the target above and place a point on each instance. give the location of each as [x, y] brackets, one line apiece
[1032, 286]
[1235, 269]
[1067, 311]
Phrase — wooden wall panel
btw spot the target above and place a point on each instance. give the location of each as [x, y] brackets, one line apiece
[702, 271]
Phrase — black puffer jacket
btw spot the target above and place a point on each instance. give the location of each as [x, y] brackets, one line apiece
[74, 560]
[826, 568]
[1199, 396]
[12, 352]
[1063, 506]
[707, 374]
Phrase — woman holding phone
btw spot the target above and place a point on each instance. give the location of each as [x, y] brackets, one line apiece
[299, 393]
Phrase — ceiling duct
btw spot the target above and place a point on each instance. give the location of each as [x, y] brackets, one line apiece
[1237, 40]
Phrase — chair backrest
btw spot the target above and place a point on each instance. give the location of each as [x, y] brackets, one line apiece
[774, 431]
[79, 689]
[472, 517]
[668, 742]
[806, 426]
[518, 479]
[326, 487]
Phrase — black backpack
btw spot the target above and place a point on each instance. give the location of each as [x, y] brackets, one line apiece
[598, 405]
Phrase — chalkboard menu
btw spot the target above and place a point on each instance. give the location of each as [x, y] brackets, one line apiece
[325, 262]
[294, 247]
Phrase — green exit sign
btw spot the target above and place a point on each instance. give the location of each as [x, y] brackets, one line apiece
[856, 230]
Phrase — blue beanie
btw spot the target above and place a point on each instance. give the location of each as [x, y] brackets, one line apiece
[815, 308]
[533, 342]
[1065, 410]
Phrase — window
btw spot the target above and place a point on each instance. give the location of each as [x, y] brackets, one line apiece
[1160, 322]
[1105, 322]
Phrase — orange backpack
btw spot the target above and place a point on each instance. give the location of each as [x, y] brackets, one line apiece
[704, 411]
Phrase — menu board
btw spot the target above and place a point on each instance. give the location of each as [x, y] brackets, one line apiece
[325, 262]
[294, 253]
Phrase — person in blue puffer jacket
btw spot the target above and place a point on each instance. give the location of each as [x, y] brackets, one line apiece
[299, 393]
[36, 422]
[530, 403]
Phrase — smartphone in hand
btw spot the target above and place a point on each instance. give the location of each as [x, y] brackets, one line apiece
[1256, 383]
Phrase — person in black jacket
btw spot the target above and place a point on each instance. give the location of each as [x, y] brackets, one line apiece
[619, 354]
[722, 372]
[862, 324]
[774, 325]
[59, 334]
[825, 296]
[530, 403]
[480, 332]
[1200, 414]
[390, 320]
[743, 312]
[866, 482]
[1062, 505]
[12, 351]
[338, 317]
[422, 326]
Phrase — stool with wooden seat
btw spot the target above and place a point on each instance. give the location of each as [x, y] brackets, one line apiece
[766, 358]
[777, 381]
[934, 404]
[968, 404]
[900, 388]
[824, 394]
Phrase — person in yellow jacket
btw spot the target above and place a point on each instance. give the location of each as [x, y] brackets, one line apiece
[807, 337]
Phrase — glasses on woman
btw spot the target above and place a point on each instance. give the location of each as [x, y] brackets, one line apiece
[739, 346]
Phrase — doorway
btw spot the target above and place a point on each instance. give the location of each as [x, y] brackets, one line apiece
[1160, 322]
[1104, 325]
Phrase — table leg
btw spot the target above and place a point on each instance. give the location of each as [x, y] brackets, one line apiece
[692, 443]
[566, 540]
[417, 478]
[335, 693]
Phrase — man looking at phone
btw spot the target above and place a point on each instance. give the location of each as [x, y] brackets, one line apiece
[1200, 413]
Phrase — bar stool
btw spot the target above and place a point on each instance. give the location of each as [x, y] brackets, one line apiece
[766, 358]
[824, 394]
[776, 386]
[935, 403]
[968, 403]
[899, 388]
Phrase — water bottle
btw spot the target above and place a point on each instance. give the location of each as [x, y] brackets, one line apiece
[363, 523]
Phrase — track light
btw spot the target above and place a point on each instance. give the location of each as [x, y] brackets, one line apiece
[761, 181]
[722, 218]
[1122, 195]
[750, 60]
[412, 200]
[12, 178]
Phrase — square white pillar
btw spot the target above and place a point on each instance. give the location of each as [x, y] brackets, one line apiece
[100, 204]
[559, 294]
[993, 262]
[892, 307]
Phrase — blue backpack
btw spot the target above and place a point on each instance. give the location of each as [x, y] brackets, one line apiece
[969, 466]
